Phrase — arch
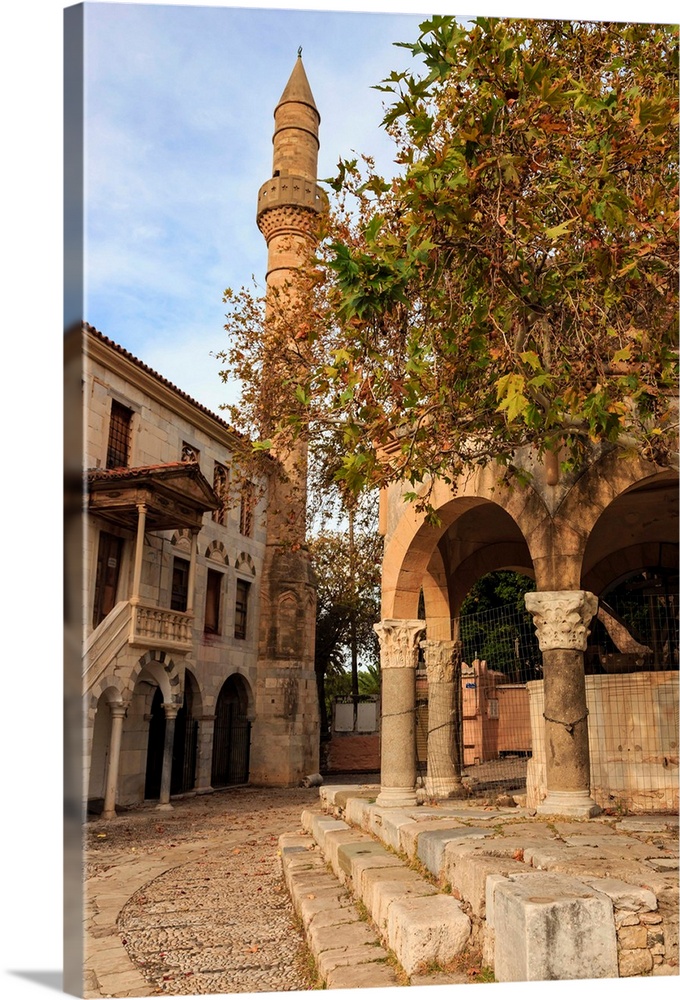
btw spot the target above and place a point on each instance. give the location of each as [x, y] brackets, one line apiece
[411, 546]
[244, 563]
[181, 539]
[161, 668]
[231, 736]
[116, 690]
[217, 552]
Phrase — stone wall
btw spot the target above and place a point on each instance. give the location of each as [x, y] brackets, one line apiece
[633, 735]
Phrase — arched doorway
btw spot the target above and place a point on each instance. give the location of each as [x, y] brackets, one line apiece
[231, 740]
[154, 754]
[184, 750]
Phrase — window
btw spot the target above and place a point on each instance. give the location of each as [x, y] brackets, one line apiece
[180, 585]
[220, 486]
[247, 505]
[241, 617]
[213, 594]
[118, 450]
[108, 569]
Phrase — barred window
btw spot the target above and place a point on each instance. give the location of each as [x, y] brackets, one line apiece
[241, 617]
[118, 451]
[220, 486]
[247, 508]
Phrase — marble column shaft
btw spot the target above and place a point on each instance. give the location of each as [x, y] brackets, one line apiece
[561, 619]
[398, 661]
[117, 717]
[442, 661]
[171, 711]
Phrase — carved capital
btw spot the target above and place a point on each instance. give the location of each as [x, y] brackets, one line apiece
[399, 642]
[440, 655]
[171, 708]
[561, 617]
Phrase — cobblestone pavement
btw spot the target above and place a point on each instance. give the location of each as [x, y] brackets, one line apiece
[192, 901]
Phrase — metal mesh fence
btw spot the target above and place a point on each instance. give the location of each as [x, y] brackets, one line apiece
[631, 691]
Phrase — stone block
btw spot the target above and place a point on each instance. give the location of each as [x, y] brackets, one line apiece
[623, 895]
[385, 890]
[339, 957]
[349, 854]
[334, 839]
[431, 844]
[637, 962]
[550, 926]
[348, 935]
[321, 825]
[367, 975]
[633, 937]
[471, 874]
[426, 929]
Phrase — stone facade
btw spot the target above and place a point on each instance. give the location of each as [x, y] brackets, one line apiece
[198, 662]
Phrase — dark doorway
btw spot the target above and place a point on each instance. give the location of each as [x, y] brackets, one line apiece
[231, 741]
[185, 748]
[154, 755]
[108, 569]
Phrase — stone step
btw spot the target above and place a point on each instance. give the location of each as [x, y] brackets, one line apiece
[540, 905]
[422, 926]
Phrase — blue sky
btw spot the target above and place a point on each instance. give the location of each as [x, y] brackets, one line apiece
[178, 124]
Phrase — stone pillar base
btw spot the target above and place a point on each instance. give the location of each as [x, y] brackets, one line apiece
[397, 797]
[205, 790]
[444, 788]
[577, 804]
[109, 814]
[164, 807]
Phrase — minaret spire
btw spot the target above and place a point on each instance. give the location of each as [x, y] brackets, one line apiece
[286, 740]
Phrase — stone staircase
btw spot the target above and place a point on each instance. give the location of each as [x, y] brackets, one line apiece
[393, 896]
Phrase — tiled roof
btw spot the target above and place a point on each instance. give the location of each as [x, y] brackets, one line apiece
[140, 364]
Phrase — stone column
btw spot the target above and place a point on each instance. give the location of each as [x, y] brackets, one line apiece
[561, 619]
[139, 553]
[206, 734]
[442, 657]
[171, 711]
[398, 660]
[117, 716]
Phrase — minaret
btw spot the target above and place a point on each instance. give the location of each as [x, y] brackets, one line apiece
[285, 744]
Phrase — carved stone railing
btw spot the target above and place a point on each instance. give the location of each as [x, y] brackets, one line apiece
[140, 625]
[158, 627]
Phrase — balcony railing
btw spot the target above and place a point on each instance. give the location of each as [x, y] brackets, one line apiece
[155, 626]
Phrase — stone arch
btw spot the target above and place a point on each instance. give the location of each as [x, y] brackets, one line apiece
[181, 539]
[244, 563]
[158, 665]
[217, 552]
[116, 690]
[287, 633]
[234, 711]
[410, 548]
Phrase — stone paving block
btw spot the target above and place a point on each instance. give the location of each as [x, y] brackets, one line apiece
[322, 824]
[623, 895]
[427, 929]
[347, 853]
[431, 844]
[348, 935]
[334, 958]
[471, 876]
[372, 877]
[335, 839]
[308, 905]
[385, 891]
[412, 831]
[550, 926]
[356, 811]
[368, 975]
[393, 821]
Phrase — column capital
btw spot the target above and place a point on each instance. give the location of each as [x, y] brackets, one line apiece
[561, 617]
[117, 710]
[399, 642]
[171, 709]
[439, 659]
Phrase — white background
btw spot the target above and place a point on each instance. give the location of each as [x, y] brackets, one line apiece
[30, 528]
